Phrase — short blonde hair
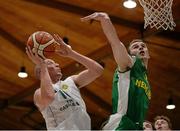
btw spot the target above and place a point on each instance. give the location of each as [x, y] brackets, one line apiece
[135, 40]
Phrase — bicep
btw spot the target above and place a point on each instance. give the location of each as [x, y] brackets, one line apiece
[121, 55]
[84, 78]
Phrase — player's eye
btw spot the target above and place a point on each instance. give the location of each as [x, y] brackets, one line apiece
[135, 47]
[143, 46]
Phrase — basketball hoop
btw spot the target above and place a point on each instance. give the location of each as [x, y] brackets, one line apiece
[158, 14]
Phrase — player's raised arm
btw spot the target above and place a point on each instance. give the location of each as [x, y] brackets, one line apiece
[119, 50]
[85, 77]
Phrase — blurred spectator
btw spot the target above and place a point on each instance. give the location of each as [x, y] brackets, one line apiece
[162, 123]
[147, 126]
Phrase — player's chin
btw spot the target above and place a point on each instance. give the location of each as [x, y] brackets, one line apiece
[146, 57]
[59, 76]
[143, 56]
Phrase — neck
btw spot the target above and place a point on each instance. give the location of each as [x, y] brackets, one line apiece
[55, 81]
[145, 61]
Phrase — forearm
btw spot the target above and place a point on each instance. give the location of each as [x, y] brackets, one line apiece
[109, 31]
[46, 83]
[119, 50]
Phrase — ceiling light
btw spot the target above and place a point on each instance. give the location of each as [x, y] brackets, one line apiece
[170, 104]
[22, 73]
[129, 4]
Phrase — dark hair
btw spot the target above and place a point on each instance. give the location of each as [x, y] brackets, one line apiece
[164, 118]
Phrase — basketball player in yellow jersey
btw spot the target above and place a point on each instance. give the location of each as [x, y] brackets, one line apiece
[131, 91]
[60, 101]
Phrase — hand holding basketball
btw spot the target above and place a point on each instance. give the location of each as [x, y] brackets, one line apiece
[34, 56]
[62, 49]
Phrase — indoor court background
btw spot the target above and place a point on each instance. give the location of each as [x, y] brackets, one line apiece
[20, 18]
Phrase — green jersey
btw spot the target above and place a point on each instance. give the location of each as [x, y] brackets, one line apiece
[130, 98]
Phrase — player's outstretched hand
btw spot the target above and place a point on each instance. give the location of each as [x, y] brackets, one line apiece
[98, 16]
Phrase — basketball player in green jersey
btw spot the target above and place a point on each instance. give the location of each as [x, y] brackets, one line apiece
[131, 91]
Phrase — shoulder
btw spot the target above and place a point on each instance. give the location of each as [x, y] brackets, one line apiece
[133, 60]
[70, 82]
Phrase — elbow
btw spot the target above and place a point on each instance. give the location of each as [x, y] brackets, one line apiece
[50, 96]
[48, 93]
[47, 96]
[99, 71]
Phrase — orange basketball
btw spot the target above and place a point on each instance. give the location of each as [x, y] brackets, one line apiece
[43, 42]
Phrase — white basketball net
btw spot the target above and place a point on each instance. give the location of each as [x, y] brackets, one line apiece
[158, 14]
